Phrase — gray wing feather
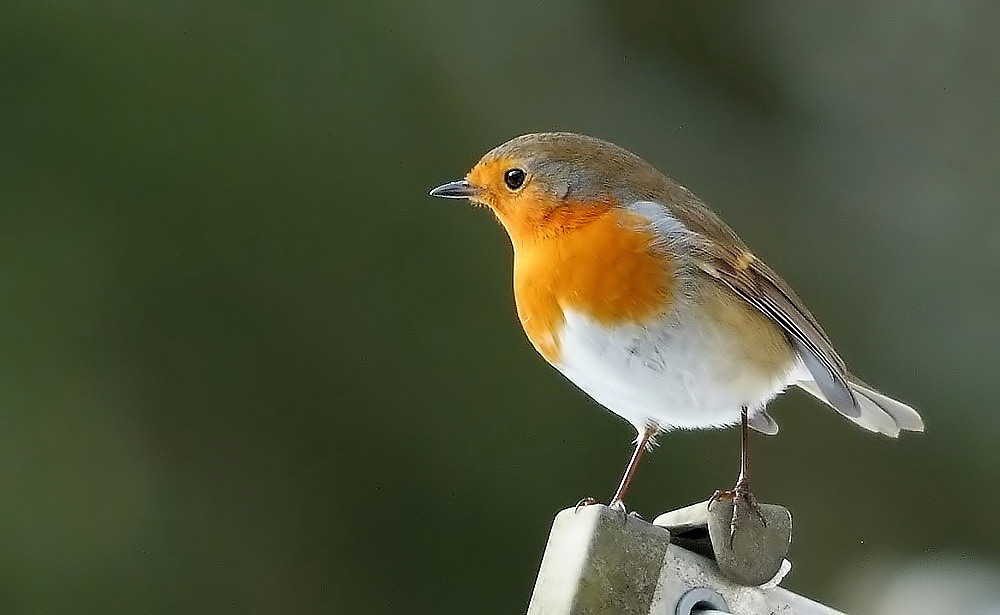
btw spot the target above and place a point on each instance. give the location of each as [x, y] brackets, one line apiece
[763, 289]
[719, 253]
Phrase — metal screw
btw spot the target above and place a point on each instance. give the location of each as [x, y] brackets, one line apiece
[701, 601]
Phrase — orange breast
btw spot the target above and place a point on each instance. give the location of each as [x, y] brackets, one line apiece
[606, 269]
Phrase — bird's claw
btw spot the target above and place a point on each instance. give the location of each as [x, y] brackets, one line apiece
[740, 496]
[619, 507]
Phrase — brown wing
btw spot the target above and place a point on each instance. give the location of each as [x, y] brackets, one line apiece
[722, 256]
[758, 285]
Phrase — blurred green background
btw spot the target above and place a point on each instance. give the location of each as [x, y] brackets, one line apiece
[249, 367]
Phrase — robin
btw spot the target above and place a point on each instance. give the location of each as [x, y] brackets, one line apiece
[642, 296]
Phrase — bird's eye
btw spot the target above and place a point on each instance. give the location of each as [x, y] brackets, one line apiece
[514, 178]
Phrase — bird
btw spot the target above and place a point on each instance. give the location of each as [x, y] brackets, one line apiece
[640, 295]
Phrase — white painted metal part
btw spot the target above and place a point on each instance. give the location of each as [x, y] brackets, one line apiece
[600, 561]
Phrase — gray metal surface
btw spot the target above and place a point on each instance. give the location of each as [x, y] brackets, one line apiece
[600, 561]
[751, 555]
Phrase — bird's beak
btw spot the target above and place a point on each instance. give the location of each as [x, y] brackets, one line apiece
[460, 189]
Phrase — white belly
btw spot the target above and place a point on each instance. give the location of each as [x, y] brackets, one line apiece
[680, 372]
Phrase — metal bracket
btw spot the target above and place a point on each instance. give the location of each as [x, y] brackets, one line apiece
[749, 549]
[600, 561]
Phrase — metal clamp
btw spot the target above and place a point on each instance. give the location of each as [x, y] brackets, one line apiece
[751, 556]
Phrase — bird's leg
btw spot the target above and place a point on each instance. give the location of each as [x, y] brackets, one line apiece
[740, 495]
[641, 443]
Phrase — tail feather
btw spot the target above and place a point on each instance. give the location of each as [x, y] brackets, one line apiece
[761, 421]
[905, 417]
[879, 413]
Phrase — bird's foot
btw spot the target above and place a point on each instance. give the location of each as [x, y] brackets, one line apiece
[619, 507]
[616, 505]
[743, 500]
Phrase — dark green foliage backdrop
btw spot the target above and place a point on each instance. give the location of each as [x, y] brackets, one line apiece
[247, 366]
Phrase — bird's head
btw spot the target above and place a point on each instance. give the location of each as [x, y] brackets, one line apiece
[543, 184]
